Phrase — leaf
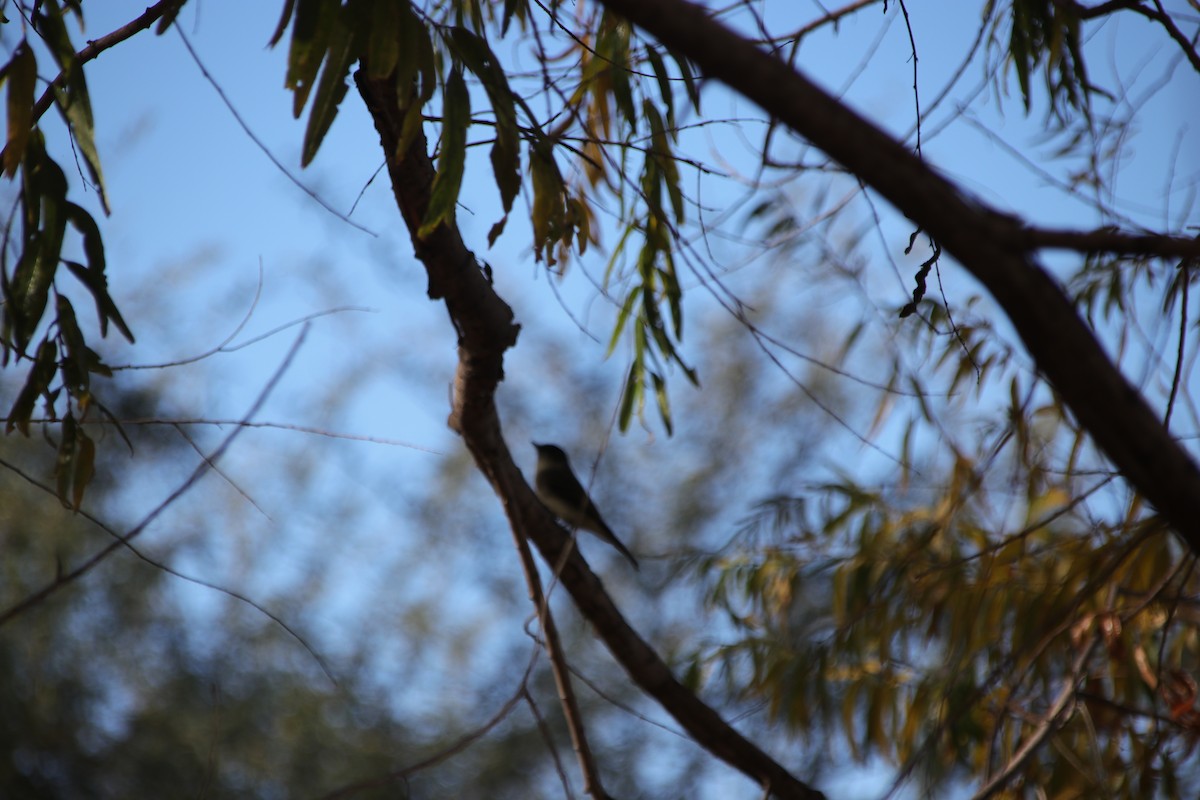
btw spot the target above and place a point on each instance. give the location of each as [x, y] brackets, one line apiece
[21, 73]
[383, 37]
[631, 397]
[505, 156]
[409, 130]
[622, 317]
[84, 470]
[36, 384]
[513, 8]
[75, 366]
[689, 79]
[664, 403]
[63, 466]
[43, 196]
[496, 229]
[314, 23]
[456, 118]
[664, 82]
[71, 97]
[284, 19]
[331, 90]
[170, 12]
[547, 209]
[93, 276]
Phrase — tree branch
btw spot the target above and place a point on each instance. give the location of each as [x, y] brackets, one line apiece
[485, 328]
[991, 245]
[95, 47]
[1112, 240]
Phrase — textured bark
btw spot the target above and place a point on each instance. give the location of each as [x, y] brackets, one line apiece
[996, 248]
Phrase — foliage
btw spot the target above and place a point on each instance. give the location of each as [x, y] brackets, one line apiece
[967, 589]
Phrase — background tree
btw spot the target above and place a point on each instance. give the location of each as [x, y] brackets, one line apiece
[969, 555]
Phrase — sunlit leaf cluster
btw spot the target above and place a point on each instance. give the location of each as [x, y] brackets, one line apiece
[610, 139]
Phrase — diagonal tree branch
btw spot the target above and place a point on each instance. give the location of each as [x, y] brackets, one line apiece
[994, 247]
[485, 328]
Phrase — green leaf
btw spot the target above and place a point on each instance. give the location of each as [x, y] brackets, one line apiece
[38, 383]
[21, 73]
[43, 196]
[631, 397]
[622, 318]
[63, 469]
[664, 403]
[547, 208]
[517, 8]
[331, 90]
[71, 97]
[93, 276]
[314, 23]
[75, 366]
[85, 468]
[664, 82]
[456, 117]
[475, 54]
[383, 37]
[106, 309]
[689, 78]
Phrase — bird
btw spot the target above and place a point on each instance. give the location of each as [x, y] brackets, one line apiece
[560, 491]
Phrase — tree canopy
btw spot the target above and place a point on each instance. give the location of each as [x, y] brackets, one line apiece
[907, 444]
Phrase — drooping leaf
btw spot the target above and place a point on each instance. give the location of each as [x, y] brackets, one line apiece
[36, 384]
[170, 12]
[71, 97]
[84, 468]
[284, 18]
[312, 29]
[21, 74]
[64, 464]
[478, 57]
[93, 275]
[383, 37]
[456, 118]
[548, 203]
[331, 90]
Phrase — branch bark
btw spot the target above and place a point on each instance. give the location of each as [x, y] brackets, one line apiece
[485, 327]
[996, 248]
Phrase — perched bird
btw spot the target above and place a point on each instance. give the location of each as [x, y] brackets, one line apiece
[559, 490]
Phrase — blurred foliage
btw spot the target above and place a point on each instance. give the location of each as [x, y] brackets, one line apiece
[957, 574]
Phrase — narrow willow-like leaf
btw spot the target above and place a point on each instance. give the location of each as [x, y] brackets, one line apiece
[478, 57]
[21, 74]
[456, 118]
[64, 464]
[383, 37]
[38, 382]
[331, 89]
[315, 21]
[84, 468]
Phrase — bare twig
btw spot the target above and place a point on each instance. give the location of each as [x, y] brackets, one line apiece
[159, 565]
[259, 142]
[201, 469]
[97, 46]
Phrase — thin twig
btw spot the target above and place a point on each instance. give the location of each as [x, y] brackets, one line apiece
[94, 48]
[259, 142]
[201, 469]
